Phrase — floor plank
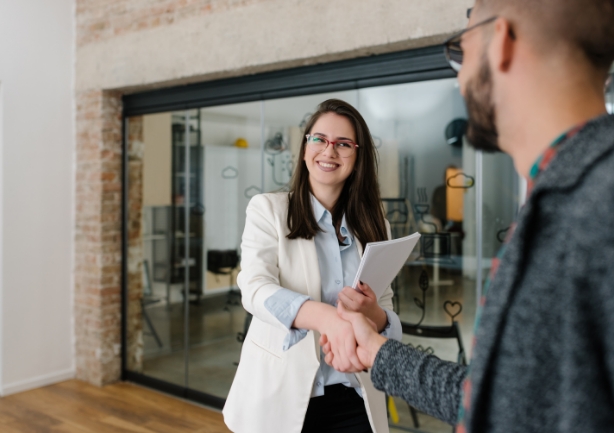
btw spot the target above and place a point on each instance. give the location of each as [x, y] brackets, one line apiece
[77, 407]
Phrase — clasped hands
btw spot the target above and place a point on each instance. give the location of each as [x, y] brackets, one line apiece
[351, 341]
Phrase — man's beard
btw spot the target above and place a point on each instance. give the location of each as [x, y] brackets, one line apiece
[482, 132]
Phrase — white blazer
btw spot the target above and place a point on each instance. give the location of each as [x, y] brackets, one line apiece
[271, 390]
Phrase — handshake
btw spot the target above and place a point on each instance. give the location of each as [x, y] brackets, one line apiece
[351, 339]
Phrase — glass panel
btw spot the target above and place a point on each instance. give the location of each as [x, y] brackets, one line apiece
[501, 203]
[427, 176]
[609, 92]
[427, 180]
[155, 255]
[231, 160]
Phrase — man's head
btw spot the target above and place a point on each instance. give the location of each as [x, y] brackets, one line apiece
[519, 45]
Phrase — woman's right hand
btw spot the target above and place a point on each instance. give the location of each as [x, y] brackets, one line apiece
[340, 334]
[324, 318]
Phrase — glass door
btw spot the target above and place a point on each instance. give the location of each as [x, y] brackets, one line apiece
[231, 138]
[159, 260]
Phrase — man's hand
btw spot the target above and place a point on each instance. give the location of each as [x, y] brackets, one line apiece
[365, 302]
[365, 332]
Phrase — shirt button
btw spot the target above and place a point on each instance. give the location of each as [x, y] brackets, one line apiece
[337, 281]
[318, 384]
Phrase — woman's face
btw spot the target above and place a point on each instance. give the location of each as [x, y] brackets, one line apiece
[327, 168]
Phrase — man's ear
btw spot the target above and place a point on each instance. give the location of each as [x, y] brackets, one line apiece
[503, 46]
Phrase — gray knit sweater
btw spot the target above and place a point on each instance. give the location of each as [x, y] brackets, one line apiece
[544, 358]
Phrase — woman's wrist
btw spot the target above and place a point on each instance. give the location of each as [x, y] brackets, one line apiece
[315, 316]
[380, 319]
[326, 318]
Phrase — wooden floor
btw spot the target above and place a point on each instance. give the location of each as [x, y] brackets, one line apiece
[77, 407]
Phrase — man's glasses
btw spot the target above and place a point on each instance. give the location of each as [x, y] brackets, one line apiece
[344, 148]
[452, 47]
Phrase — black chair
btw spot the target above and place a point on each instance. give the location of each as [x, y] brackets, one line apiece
[225, 262]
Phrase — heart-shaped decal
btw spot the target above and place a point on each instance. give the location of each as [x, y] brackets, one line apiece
[453, 309]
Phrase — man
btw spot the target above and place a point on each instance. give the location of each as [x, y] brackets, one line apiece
[533, 74]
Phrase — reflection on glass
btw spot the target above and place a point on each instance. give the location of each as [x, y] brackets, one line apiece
[155, 255]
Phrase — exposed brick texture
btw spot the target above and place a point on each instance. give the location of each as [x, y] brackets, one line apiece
[98, 236]
[134, 332]
[98, 20]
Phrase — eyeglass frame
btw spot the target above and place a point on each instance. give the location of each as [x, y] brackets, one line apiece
[333, 143]
[448, 42]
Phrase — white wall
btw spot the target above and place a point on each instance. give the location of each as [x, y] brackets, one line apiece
[36, 192]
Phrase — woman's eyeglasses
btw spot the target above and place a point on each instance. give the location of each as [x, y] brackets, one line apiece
[344, 148]
[452, 47]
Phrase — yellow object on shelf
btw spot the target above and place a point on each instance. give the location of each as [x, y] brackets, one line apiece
[392, 410]
[241, 142]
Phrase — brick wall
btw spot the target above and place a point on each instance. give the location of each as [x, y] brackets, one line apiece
[101, 20]
[134, 322]
[98, 236]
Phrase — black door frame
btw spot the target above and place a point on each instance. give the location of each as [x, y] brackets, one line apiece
[421, 64]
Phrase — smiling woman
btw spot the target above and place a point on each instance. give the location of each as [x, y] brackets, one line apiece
[318, 230]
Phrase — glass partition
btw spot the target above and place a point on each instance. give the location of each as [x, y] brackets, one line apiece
[192, 173]
[609, 92]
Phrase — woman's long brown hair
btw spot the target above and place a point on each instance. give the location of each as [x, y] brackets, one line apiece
[360, 198]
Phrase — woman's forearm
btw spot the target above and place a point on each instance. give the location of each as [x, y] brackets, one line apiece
[314, 316]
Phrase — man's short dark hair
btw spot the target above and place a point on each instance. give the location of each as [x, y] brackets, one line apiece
[583, 25]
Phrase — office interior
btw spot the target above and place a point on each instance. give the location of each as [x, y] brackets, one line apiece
[199, 168]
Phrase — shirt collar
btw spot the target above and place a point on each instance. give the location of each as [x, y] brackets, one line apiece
[546, 158]
[318, 209]
[319, 212]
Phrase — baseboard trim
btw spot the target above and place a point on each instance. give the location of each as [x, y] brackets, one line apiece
[37, 382]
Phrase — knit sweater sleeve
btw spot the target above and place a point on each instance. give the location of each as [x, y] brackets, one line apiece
[424, 381]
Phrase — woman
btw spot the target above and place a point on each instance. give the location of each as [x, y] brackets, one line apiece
[299, 250]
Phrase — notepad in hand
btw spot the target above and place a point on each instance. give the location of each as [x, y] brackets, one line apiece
[382, 261]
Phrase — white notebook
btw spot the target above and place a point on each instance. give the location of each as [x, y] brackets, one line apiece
[382, 261]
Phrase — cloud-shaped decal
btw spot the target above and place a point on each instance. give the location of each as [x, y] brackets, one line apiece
[461, 181]
[252, 191]
[230, 173]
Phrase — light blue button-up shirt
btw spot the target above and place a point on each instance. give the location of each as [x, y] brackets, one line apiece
[338, 266]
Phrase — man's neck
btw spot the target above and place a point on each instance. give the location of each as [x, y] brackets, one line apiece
[537, 126]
